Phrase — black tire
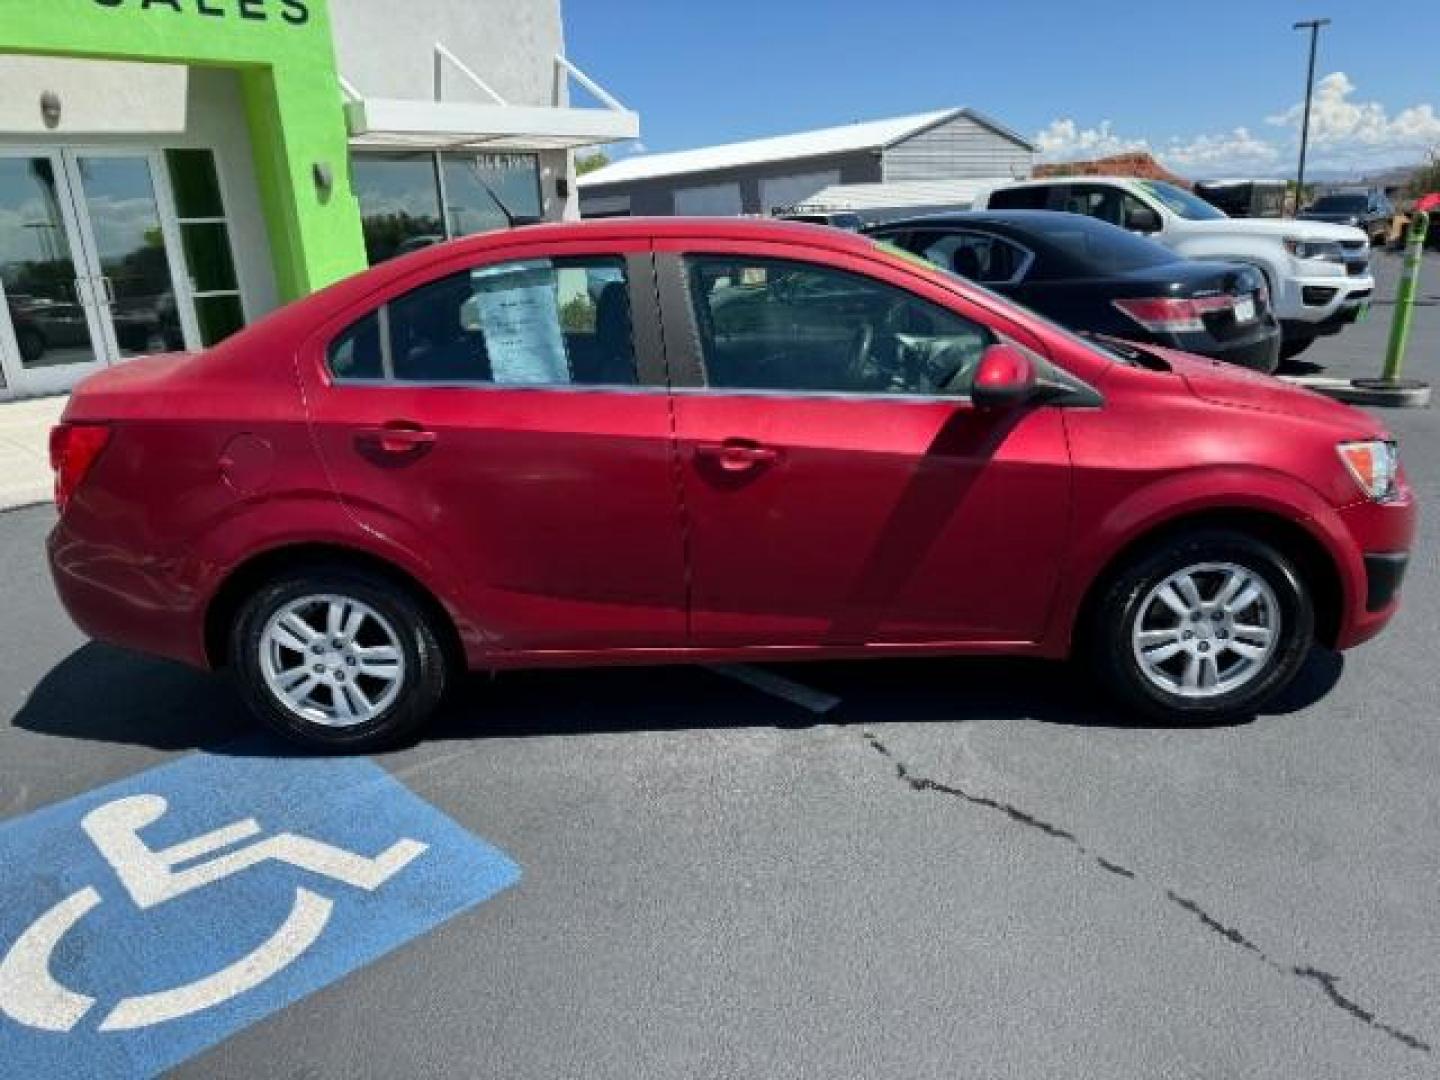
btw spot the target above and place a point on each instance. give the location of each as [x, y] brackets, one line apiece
[1120, 604]
[31, 342]
[426, 670]
[1291, 347]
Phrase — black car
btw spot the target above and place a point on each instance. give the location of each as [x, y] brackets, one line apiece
[836, 219]
[1095, 277]
[1370, 211]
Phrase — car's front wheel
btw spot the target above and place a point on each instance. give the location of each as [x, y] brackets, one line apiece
[1205, 626]
[338, 659]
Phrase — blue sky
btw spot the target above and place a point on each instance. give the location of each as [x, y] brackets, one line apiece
[1211, 87]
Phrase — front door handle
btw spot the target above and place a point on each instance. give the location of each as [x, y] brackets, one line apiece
[398, 438]
[737, 455]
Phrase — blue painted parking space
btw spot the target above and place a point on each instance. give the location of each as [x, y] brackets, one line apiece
[148, 920]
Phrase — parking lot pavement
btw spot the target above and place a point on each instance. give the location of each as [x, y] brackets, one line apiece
[958, 868]
[25, 477]
[1358, 351]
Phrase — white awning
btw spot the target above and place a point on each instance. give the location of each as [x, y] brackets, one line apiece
[496, 124]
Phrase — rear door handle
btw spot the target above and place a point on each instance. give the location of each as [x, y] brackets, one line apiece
[398, 437]
[737, 455]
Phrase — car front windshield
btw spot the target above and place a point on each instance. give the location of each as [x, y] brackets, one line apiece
[1181, 202]
[1339, 204]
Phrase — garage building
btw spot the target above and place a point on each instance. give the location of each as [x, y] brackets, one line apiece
[760, 176]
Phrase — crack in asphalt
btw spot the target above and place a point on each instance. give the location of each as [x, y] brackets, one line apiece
[1326, 981]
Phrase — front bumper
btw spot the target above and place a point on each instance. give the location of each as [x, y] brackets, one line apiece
[1384, 570]
[1382, 535]
[1313, 306]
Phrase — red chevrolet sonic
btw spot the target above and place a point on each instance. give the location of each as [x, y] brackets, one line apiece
[694, 440]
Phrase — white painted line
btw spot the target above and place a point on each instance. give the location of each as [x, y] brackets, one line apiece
[767, 682]
[29, 994]
[301, 930]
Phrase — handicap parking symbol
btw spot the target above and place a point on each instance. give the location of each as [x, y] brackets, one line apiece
[148, 920]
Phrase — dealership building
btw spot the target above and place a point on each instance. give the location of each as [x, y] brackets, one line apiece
[929, 160]
[173, 169]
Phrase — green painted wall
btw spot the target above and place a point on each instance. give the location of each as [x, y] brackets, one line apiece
[286, 57]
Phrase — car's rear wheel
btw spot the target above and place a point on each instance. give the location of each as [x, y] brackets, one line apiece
[339, 659]
[1205, 626]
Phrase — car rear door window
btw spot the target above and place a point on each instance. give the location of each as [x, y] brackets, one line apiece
[778, 325]
[976, 256]
[529, 322]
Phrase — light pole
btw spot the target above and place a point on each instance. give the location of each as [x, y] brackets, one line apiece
[1313, 25]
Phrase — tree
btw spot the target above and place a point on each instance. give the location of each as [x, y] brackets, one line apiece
[590, 162]
[1426, 178]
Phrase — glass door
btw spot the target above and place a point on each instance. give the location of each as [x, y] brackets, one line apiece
[50, 329]
[130, 233]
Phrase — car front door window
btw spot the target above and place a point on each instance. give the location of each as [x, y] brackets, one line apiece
[769, 324]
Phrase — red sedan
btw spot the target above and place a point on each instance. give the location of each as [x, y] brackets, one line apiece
[690, 440]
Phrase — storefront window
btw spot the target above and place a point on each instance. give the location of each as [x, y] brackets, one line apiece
[473, 183]
[205, 239]
[399, 202]
[400, 196]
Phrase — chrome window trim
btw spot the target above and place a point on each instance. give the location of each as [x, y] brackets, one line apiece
[493, 387]
[827, 395]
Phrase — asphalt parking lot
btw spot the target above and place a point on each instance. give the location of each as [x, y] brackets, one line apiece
[922, 869]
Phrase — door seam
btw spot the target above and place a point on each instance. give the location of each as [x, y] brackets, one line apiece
[676, 464]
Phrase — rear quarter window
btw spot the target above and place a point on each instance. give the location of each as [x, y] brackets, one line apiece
[1020, 198]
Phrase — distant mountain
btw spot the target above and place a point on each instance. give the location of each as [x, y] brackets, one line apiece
[1381, 178]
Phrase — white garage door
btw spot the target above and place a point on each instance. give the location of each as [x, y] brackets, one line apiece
[782, 192]
[711, 200]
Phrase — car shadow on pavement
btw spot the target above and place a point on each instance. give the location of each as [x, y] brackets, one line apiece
[104, 694]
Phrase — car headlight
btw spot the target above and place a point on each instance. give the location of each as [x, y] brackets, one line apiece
[1327, 250]
[1375, 464]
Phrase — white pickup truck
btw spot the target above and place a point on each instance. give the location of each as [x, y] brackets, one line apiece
[1318, 274]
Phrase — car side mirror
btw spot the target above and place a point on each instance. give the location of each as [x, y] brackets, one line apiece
[1142, 219]
[1006, 377]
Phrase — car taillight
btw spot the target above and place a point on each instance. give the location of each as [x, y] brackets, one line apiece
[73, 450]
[1164, 314]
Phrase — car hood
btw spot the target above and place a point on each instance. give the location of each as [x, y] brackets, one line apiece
[1275, 227]
[1240, 388]
[1333, 217]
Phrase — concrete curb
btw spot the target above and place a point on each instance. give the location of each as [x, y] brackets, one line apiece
[1403, 395]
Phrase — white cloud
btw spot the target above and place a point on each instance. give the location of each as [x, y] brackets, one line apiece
[1208, 155]
[1356, 132]
[1064, 140]
[1345, 134]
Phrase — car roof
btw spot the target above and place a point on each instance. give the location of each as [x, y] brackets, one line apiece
[754, 229]
[340, 294]
[1015, 219]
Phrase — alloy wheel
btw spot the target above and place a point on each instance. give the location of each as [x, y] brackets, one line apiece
[1206, 630]
[332, 660]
